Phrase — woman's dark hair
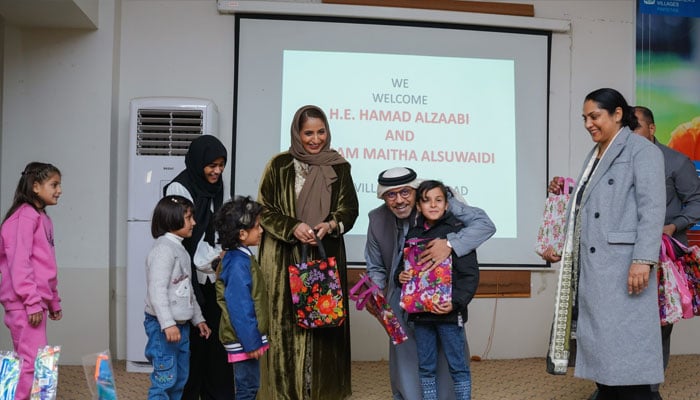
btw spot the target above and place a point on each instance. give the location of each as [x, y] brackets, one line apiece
[429, 185]
[610, 99]
[312, 113]
[34, 172]
[169, 215]
[234, 215]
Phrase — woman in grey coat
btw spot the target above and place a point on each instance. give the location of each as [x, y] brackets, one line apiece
[607, 297]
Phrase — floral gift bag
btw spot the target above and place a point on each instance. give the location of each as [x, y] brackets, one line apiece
[317, 295]
[425, 288]
[670, 303]
[689, 267]
[367, 295]
[551, 232]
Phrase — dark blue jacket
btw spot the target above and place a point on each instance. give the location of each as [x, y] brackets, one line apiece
[242, 296]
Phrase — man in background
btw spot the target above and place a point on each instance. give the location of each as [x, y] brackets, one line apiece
[682, 199]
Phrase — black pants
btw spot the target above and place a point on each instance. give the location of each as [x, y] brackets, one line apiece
[211, 375]
[634, 392]
[665, 348]
[666, 342]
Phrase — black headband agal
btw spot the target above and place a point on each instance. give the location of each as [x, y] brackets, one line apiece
[397, 180]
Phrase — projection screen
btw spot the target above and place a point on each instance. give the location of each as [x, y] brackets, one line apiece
[462, 104]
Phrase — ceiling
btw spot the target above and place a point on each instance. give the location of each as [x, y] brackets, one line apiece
[79, 14]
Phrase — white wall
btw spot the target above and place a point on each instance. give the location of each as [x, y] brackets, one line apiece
[65, 100]
[182, 48]
[57, 99]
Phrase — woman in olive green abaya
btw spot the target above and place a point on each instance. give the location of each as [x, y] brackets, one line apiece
[306, 189]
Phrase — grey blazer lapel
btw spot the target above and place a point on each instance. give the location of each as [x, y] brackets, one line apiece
[603, 165]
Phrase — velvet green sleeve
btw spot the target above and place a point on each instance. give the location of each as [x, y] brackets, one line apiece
[346, 207]
[278, 199]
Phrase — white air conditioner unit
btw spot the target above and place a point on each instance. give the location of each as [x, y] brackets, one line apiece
[160, 132]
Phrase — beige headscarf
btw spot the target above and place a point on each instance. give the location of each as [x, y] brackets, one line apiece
[314, 202]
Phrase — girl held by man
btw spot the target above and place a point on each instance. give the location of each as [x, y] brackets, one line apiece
[444, 324]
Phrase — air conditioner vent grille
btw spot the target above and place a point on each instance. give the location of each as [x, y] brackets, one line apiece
[167, 132]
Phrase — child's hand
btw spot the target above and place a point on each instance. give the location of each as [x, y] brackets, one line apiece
[204, 330]
[35, 319]
[256, 354]
[56, 315]
[442, 308]
[172, 334]
[405, 276]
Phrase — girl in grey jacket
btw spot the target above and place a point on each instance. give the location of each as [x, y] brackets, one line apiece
[170, 301]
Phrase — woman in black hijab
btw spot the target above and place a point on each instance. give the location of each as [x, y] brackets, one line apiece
[211, 376]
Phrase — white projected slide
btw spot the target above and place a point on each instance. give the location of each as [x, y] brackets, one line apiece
[434, 114]
[462, 105]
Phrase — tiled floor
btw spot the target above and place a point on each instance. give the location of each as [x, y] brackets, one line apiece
[519, 379]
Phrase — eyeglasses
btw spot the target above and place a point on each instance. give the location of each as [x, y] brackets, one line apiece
[404, 193]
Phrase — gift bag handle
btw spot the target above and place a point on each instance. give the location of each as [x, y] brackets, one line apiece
[663, 255]
[305, 249]
[363, 297]
[569, 185]
[673, 241]
[416, 241]
[353, 291]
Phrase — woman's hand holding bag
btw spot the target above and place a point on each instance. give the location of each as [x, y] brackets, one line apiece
[552, 231]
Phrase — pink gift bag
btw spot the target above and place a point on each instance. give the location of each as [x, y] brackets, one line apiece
[425, 288]
[670, 301]
[367, 295]
[552, 230]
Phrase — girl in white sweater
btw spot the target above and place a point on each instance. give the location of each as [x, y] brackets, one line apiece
[170, 301]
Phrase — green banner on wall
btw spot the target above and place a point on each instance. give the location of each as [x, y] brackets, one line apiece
[668, 70]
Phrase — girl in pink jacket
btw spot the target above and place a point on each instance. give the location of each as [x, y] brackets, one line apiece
[28, 266]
